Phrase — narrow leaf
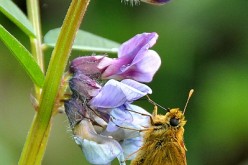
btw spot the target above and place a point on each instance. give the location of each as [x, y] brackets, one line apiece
[84, 41]
[23, 56]
[10, 9]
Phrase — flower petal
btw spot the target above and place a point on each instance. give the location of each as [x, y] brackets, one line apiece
[118, 116]
[114, 94]
[97, 149]
[141, 116]
[131, 146]
[115, 68]
[145, 69]
[123, 126]
[86, 65]
[84, 86]
[139, 86]
[131, 47]
[110, 96]
[132, 55]
[105, 62]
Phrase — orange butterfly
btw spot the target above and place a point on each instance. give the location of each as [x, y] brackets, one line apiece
[163, 140]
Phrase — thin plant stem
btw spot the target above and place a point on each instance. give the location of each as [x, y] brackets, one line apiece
[34, 147]
[36, 42]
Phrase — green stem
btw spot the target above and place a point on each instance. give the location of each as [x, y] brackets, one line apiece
[34, 147]
[36, 43]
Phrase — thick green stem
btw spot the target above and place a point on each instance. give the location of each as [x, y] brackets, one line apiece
[34, 147]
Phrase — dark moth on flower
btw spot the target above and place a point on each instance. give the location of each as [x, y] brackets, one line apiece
[103, 90]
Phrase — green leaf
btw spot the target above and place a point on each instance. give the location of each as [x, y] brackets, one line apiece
[10, 9]
[85, 41]
[23, 56]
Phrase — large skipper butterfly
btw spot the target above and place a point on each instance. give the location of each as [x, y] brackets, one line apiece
[163, 140]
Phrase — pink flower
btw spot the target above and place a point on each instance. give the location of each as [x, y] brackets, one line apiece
[135, 60]
[99, 111]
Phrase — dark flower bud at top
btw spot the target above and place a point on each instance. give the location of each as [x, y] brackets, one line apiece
[156, 2]
[86, 65]
[153, 2]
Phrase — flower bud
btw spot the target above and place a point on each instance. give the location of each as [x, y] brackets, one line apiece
[156, 2]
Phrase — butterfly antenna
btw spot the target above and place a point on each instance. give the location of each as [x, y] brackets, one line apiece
[154, 103]
[190, 94]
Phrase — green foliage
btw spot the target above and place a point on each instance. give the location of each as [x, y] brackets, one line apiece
[8, 8]
[23, 56]
[84, 41]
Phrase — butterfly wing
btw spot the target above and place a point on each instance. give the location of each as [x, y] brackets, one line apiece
[161, 153]
[173, 154]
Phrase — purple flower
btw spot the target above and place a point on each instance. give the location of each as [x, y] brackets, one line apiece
[86, 65]
[84, 86]
[115, 93]
[135, 60]
[153, 2]
[99, 111]
[97, 149]
[99, 121]
[101, 146]
[156, 2]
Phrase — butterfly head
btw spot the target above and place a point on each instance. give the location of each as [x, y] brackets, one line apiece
[175, 118]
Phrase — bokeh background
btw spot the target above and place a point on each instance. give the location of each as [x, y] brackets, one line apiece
[202, 44]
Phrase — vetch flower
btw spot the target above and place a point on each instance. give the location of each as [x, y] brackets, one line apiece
[118, 96]
[104, 121]
[84, 86]
[99, 124]
[115, 93]
[135, 60]
[156, 2]
[88, 65]
[97, 149]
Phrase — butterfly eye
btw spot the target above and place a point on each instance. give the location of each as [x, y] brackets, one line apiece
[174, 122]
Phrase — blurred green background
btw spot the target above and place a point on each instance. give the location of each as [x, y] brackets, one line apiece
[203, 45]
